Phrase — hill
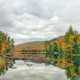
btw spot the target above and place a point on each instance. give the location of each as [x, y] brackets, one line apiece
[30, 47]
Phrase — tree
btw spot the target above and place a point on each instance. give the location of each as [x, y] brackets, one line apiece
[69, 40]
[6, 46]
[69, 36]
[72, 39]
[1, 40]
[55, 50]
[76, 54]
[70, 31]
[10, 48]
[47, 48]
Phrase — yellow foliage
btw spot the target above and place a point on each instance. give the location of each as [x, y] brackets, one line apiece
[63, 63]
[4, 44]
[2, 63]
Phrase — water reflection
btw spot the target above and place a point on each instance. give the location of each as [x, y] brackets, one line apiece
[34, 71]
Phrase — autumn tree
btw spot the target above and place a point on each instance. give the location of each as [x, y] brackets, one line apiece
[6, 43]
[76, 53]
[1, 41]
[6, 46]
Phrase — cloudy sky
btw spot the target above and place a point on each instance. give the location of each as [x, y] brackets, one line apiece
[30, 20]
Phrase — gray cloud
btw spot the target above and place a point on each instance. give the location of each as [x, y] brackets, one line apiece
[38, 19]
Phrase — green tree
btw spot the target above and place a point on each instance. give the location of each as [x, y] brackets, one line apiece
[1, 40]
[69, 40]
[47, 49]
[69, 36]
[54, 52]
[76, 54]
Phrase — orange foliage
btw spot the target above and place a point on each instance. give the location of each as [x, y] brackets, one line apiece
[4, 44]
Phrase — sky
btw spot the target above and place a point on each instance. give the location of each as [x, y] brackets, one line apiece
[38, 20]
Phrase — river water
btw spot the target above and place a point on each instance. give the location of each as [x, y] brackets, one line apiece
[33, 71]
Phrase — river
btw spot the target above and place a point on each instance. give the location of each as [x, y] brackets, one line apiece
[33, 71]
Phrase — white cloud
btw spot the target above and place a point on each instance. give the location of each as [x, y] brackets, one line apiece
[54, 19]
[29, 20]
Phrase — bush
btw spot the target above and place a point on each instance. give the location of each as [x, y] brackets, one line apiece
[2, 65]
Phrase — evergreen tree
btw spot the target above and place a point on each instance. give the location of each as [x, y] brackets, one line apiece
[71, 31]
[76, 54]
[70, 35]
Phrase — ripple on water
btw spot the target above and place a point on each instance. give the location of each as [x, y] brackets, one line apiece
[36, 71]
